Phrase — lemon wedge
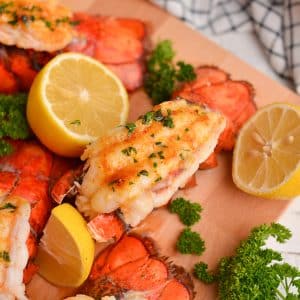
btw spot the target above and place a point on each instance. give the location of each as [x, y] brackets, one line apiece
[74, 100]
[266, 159]
[66, 250]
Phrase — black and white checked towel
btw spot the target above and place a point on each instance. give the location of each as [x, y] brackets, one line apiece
[275, 22]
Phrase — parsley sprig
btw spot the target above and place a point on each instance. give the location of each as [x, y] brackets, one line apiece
[163, 75]
[188, 212]
[13, 123]
[190, 242]
[255, 272]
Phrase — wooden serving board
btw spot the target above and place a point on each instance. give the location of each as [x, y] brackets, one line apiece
[228, 213]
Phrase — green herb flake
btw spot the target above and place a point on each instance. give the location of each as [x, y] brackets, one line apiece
[155, 165]
[75, 122]
[152, 135]
[168, 122]
[148, 117]
[130, 127]
[5, 256]
[129, 150]
[160, 154]
[181, 156]
[186, 129]
[158, 179]
[188, 212]
[190, 242]
[178, 138]
[8, 206]
[143, 173]
[152, 155]
[4, 6]
[14, 20]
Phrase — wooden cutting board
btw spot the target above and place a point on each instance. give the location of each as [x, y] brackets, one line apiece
[228, 213]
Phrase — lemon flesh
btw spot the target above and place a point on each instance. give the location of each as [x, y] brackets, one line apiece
[66, 250]
[266, 159]
[74, 100]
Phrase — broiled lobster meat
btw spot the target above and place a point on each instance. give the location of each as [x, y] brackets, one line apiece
[214, 88]
[116, 42]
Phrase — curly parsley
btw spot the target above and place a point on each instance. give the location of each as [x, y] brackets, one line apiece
[190, 242]
[189, 213]
[163, 75]
[255, 272]
[13, 123]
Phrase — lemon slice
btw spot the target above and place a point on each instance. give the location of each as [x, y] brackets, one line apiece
[266, 159]
[66, 250]
[74, 100]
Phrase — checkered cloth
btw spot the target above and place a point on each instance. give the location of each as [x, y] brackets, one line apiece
[275, 22]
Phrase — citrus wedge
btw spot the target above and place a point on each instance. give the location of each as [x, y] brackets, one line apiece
[266, 159]
[66, 250]
[74, 100]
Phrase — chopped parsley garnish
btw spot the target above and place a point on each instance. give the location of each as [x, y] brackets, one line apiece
[168, 122]
[188, 212]
[155, 165]
[129, 150]
[152, 135]
[147, 117]
[152, 155]
[158, 179]
[135, 160]
[5, 256]
[130, 183]
[178, 138]
[9, 206]
[4, 6]
[47, 24]
[160, 154]
[130, 127]
[181, 156]
[163, 75]
[13, 122]
[255, 272]
[158, 143]
[74, 22]
[75, 122]
[190, 242]
[143, 173]
[14, 20]
[186, 129]
[158, 116]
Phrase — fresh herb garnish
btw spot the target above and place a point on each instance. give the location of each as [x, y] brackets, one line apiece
[4, 6]
[75, 122]
[155, 165]
[143, 173]
[255, 272]
[188, 212]
[13, 122]
[130, 127]
[160, 154]
[158, 179]
[168, 122]
[14, 20]
[190, 242]
[152, 155]
[5, 256]
[9, 206]
[163, 76]
[129, 150]
[147, 117]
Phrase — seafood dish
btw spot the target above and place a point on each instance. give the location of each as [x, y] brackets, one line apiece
[123, 176]
[33, 32]
[123, 173]
[154, 277]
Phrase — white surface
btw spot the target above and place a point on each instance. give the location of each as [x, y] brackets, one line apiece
[246, 47]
